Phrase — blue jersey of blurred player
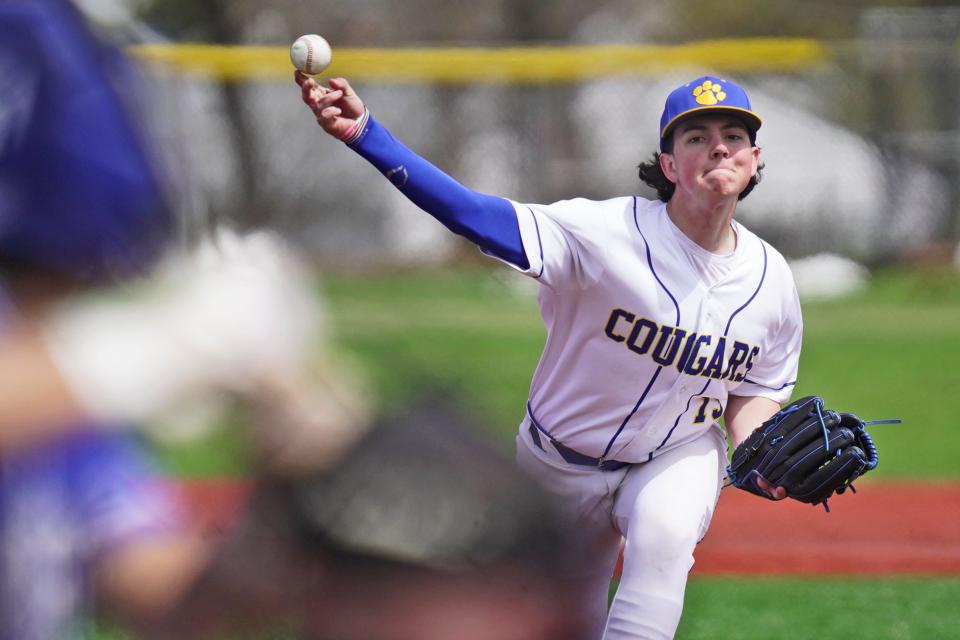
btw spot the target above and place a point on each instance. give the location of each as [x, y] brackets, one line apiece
[73, 511]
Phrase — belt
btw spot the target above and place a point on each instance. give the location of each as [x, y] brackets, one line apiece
[571, 455]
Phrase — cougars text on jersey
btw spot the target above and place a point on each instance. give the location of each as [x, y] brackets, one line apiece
[693, 354]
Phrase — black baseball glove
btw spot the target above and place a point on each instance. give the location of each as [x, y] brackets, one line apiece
[810, 451]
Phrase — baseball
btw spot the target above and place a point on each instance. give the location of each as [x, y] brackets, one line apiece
[310, 54]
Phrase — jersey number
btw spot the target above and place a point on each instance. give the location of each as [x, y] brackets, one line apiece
[702, 413]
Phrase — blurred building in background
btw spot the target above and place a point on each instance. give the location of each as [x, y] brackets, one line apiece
[860, 135]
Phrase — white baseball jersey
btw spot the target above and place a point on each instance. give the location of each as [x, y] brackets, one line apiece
[647, 332]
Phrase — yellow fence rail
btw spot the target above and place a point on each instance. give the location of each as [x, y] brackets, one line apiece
[507, 65]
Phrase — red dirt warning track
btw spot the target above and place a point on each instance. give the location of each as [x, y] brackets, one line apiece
[885, 528]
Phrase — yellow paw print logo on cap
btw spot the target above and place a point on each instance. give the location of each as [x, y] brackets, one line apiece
[709, 93]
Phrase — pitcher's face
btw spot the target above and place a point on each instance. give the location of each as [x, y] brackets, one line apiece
[711, 155]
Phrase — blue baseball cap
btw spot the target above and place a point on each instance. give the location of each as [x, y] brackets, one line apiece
[707, 94]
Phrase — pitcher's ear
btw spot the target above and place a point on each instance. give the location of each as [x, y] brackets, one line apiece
[669, 166]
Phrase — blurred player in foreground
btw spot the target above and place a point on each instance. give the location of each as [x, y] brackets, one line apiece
[83, 518]
[662, 317]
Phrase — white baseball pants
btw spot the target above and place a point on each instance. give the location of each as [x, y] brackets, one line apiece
[661, 509]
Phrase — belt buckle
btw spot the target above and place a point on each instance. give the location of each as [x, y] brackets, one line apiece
[600, 462]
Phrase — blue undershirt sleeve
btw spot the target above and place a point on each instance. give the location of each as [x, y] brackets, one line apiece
[488, 221]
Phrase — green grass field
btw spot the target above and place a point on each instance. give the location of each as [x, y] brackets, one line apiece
[820, 609]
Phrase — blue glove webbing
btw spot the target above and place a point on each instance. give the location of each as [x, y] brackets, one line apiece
[488, 221]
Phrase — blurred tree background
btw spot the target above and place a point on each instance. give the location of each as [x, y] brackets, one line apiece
[861, 148]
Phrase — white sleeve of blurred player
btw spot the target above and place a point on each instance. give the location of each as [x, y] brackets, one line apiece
[233, 314]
